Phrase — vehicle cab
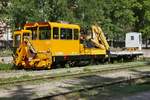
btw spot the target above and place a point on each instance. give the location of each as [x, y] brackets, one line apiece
[19, 36]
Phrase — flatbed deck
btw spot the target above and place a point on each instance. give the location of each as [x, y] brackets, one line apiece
[126, 53]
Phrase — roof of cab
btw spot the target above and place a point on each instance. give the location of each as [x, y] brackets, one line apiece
[64, 25]
[21, 31]
[52, 24]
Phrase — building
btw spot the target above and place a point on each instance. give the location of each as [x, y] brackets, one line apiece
[5, 35]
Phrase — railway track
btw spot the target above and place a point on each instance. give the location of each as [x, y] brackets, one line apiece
[102, 85]
[72, 75]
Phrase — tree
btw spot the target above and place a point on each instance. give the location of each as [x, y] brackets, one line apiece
[120, 16]
[4, 4]
[144, 20]
[44, 10]
[116, 17]
[22, 11]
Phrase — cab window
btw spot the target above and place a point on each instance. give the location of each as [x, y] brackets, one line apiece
[66, 34]
[76, 34]
[26, 35]
[34, 32]
[17, 40]
[55, 33]
[44, 33]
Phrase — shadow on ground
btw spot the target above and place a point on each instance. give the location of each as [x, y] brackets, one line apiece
[19, 94]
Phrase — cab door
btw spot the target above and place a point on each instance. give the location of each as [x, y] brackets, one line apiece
[19, 36]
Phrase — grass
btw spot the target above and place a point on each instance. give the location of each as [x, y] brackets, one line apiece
[87, 69]
[123, 90]
[6, 67]
[129, 89]
[4, 53]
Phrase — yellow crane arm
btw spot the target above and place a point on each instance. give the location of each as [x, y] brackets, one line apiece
[99, 38]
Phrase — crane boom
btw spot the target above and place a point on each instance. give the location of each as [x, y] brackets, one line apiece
[99, 38]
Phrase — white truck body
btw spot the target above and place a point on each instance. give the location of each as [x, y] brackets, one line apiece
[133, 40]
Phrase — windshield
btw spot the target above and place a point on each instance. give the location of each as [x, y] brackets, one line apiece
[26, 36]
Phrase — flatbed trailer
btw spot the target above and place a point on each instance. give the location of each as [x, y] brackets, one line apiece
[124, 55]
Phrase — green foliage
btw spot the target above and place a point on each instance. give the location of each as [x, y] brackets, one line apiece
[4, 10]
[116, 17]
[21, 11]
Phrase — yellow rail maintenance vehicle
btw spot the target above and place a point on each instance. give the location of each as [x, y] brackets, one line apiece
[41, 45]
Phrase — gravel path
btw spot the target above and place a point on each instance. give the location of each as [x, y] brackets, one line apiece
[30, 91]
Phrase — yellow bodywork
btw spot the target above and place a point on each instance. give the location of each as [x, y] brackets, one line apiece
[58, 47]
[40, 53]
